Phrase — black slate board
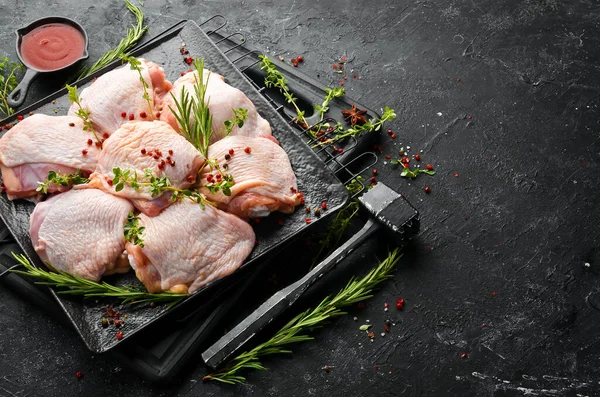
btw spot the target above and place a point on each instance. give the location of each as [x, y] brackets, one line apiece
[315, 180]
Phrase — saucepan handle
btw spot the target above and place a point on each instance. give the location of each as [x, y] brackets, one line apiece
[17, 96]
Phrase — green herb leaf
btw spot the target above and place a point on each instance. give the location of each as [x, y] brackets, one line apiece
[136, 64]
[8, 82]
[240, 116]
[82, 113]
[275, 79]
[133, 231]
[330, 93]
[408, 173]
[57, 178]
[365, 327]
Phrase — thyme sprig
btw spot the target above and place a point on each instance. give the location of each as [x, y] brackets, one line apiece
[58, 178]
[82, 112]
[132, 36]
[8, 82]
[343, 219]
[133, 231]
[330, 93]
[295, 331]
[340, 132]
[408, 173]
[225, 183]
[192, 113]
[70, 284]
[239, 116]
[136, 64]
[157, 185]
[274, 78]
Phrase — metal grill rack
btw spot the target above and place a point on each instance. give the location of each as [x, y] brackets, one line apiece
[345, 158]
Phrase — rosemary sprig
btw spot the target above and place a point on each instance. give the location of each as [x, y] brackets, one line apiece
[274, 78]
[293, 332]
[136, 64]
[70, 284]
[58, 178]
[133, 231]
[408, 173]
[8, 82]
[374, 124]
[82, 113]
[156, 185]
[132, 36]
[239, 116]
[192, 112]
[330, 93]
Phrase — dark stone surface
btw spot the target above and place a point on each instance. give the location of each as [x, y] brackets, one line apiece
[521, 130]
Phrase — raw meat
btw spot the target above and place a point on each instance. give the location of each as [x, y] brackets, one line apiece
[121, 90]
[39, 144]
[141, 145]
[222, 98]
[188, 246]
[81, 232]
[264, 179]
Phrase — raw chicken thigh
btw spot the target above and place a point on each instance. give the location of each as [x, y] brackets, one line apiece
[147, 145]
[187, 246]
[39, 144]
[81, 232]
[263, 176]
[222, 98]
[119, 92]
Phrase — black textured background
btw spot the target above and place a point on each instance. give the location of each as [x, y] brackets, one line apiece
[521, 130]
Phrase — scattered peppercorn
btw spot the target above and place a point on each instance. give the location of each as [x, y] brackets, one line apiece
[143, 151]
[307, 220]
[20, 117]
[418, 157]
[231, 152]
[143, 115]
[84, 152]
[119, 335]
[71, 124]
[464, 355]
[131, 116]
[227, 157]
[90, 142]
[247, 149]
[324, 205]
[400, 304]
[429, 167]
[123, 114]
[427, 189]
[79, 374]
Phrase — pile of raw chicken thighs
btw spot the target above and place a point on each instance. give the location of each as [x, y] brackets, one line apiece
[80, 230]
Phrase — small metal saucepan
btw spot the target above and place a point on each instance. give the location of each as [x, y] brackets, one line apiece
[17, 96]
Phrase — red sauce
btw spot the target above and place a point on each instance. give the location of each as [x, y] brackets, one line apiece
[53, 46]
